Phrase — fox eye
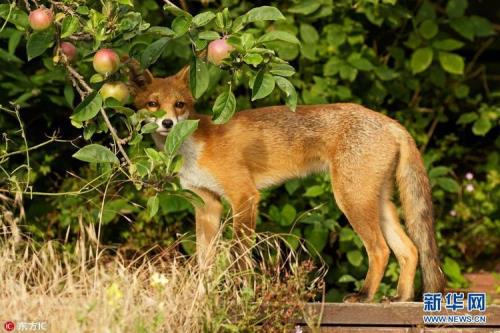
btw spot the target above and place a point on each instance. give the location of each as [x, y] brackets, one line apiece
[179, 104]
[152, 104]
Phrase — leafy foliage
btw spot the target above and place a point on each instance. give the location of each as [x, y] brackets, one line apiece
[428, 65]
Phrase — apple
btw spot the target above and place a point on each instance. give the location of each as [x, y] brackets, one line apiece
[118, 90]
[41, 18]
[106, 61]
[69, 50]
[218, 50]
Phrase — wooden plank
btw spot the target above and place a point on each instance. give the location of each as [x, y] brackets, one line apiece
[388, 314]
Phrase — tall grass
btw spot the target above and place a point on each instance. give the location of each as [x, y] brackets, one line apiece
[84, 290]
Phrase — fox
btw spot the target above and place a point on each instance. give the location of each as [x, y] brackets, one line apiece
[366, 153]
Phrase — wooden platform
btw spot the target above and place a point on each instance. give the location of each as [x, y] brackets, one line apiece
[390, 317]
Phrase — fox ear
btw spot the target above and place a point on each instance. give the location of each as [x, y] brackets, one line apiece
[183, 75]
[138, 77]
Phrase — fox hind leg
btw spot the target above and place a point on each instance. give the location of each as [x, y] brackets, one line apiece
[359, 202]
[403, 248]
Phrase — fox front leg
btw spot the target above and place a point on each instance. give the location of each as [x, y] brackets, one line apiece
[207, 225]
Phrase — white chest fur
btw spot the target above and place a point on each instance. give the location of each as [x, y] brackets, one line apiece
[192, 175]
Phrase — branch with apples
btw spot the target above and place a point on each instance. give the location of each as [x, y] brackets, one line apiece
[97, 43]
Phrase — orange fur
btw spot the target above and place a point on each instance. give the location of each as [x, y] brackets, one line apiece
[361, 149]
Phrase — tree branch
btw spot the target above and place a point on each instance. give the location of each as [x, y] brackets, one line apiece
[87, 90]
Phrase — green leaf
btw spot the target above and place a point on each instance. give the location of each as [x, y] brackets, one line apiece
[308, 33]
[253, 59]
[69, 26]
[360, 63]
[355, 257]
[179, 133]
[289, 91]
[219, 21]
[96, 78]
[126, 2]
[467, 118]
[292, 185]
[88, 131]
[448, 184]
[278, 35]
[224, 107]
[176, 11]
[38, 42]
[247, 41]
[172, 203]
[152, 206]
[426, 11]
[153, 51]
[464, 26]
[317, 236]
[263, 13]
[482, 27]
[114, 207]
[88, 108]
[456, 8]
[439, 171]
[14, 39]
[386, 74]
[421, 59]
[14, 15]
[288, 214]
[428, 29]
[346, 278]
[203, 18]
[348, 72]
[180, 25]
[308, 51]
[332, 66]
[114, 104]
[198, 77]
[69, 95]
[239, 23]
[452, 63]
[162, 31]
[149, 128]
[448, 44]
[282, 69]
[452, 269]
[208, 35]
[262, 86]
[305, 7]
[9, 57]
[95, 153]
[481, 126]
[314, 191]
[461, 90]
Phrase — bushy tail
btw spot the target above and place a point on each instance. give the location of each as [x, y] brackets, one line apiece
[415, 193]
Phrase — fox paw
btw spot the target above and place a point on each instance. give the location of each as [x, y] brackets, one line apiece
[391, 299]
[357, 298]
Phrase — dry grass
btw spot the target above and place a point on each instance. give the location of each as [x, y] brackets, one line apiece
[79, 291]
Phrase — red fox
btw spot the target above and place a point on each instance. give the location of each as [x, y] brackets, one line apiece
[365, 153]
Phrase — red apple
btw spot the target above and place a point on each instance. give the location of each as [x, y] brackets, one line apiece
[106, 61]
[69, 50]
[118, 90]
[41, 18]
[218, 50]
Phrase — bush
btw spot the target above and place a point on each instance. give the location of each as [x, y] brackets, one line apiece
[424, 64]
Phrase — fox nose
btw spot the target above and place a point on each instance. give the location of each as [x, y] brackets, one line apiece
[167, 123]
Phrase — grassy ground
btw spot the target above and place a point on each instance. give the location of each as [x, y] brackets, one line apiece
[85, 288]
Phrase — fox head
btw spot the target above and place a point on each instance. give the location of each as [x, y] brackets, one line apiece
[171, 95]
